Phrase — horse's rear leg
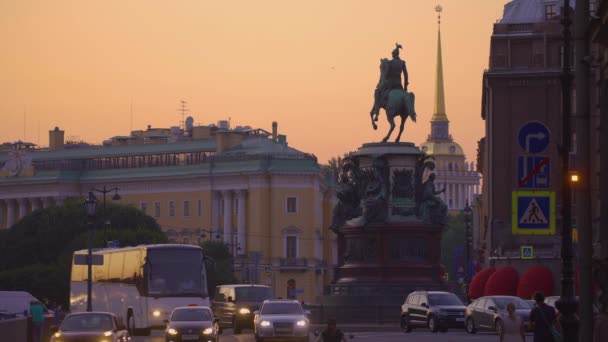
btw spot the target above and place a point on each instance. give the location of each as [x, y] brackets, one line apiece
[403, 117]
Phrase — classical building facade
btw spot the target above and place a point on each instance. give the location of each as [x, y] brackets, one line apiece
[459, 177]
[269, 202]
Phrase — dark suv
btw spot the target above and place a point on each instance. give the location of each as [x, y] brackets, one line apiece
[233, 305]
[433, 309]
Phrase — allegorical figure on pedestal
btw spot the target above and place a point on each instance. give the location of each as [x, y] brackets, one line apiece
[376, 193]
[433, 209]
[348, 193]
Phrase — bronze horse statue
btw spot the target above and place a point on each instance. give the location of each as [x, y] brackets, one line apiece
[395, 102]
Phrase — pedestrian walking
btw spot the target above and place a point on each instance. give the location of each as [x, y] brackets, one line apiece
[58, 315]
[37, 315]
[542, 318]
[512, 329]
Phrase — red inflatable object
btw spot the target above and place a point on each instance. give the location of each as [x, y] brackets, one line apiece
[478, 283]
[503, 282]
[536, 278]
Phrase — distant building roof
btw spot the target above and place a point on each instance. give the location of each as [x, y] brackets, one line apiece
[529, 11]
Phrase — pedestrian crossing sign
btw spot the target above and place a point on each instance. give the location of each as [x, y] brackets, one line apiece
[527, 252]
[533, 213]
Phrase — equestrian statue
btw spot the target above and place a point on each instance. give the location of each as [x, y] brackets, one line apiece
[391, 95]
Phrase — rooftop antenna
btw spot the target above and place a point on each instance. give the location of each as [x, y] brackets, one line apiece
[438, 9]
[183, 109]
[131, 129]
[38, 133]
[24, 116]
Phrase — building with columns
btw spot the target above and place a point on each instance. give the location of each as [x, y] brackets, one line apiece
[459, 177]
[269, 202]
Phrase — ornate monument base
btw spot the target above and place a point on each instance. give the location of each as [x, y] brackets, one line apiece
[394, 246]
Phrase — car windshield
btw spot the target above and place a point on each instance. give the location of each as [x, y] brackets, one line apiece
[190, 315]
[282, 309]
[519, 303]
[87, 322]
[176, 272]
[253, 294]
[444, 299]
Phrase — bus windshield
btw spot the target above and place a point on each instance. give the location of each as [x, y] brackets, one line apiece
[176, 272]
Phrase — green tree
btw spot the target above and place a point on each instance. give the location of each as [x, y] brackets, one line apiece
[334, 165]
[220, 270]
[36, 253]
[453, 237]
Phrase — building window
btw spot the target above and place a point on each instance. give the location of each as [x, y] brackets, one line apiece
[450, 167]
[186, 208]
[143, 206]
[156, 209]
[291, 246]
[292, 205]
[592, 6]
[199, 208]
[186, 241]
[171, 208]
[550, 12]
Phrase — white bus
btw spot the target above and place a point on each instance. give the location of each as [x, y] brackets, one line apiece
[141, 285]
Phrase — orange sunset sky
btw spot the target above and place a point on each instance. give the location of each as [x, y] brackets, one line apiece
[310, 65]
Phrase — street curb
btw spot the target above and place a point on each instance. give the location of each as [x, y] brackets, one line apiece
[347, 328]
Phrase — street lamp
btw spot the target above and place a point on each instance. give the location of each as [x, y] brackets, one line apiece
[116, 197]
[468, 214]
[90, 205]
[210, 232]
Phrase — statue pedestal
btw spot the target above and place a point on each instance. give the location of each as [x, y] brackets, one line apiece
[381, 262]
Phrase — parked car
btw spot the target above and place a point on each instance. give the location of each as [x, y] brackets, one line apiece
[283, 319]
[485, 313]
[433, 309]
[90, 326]
[234, 304]
[192, 323]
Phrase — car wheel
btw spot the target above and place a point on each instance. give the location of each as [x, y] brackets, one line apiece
[470, 326]
[432, 323]
[236, 329]
[405, 324]
[497, 326]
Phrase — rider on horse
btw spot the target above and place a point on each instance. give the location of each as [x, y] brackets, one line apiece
[390, 81]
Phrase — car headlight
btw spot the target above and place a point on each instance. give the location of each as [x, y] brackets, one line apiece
[57, 335]
[244, 311]
[107, 333]
[301, 323]
[156, 313]
[265, 323]
[208, 331]
[172, 331]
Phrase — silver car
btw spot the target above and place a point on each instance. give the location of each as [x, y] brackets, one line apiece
[281, 319]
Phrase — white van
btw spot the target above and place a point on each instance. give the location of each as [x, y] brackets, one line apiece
[17, 303]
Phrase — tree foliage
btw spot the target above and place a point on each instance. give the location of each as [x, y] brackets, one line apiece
[334, 165]
[453, 237]
[36, 253]
[220, 270]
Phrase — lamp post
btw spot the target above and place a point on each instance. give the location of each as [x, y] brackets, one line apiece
[90, 205]
[468, 213]
[567, 304]
[116, 197]
[210, 232]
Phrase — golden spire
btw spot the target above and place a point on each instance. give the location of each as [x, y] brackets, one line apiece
[439, 110]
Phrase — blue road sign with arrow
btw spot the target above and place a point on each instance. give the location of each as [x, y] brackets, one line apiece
[534, 137]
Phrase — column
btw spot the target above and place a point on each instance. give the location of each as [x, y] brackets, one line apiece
[10, 213]
[35, 203]
[227, 197]
[461, 196]
[240, 222]
[22, 207]
[448, 191]
[47, 202]
[1, 214]
[215, 213]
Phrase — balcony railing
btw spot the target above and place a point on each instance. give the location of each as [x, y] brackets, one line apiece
[286, 264]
